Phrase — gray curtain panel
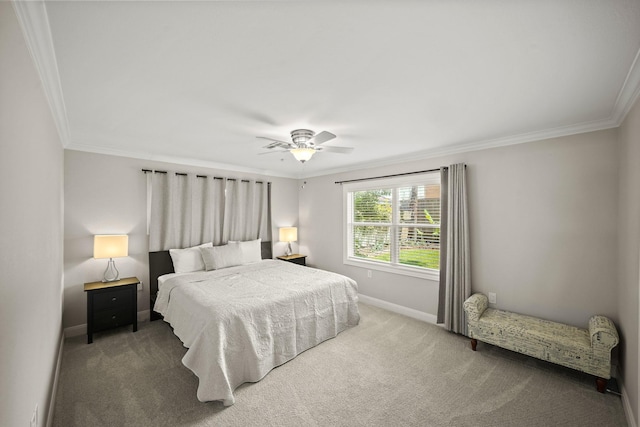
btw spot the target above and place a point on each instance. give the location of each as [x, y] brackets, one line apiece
[246, 215]
[186, 210]
[444, 197]
[215, 209]
[455, 286]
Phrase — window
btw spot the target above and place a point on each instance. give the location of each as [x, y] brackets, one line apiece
[394, 225]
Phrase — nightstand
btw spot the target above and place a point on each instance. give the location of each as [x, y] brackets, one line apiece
[294, 258]
[111, 304]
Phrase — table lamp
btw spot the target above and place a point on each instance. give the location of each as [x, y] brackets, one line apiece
[110, 246]
[288, 234]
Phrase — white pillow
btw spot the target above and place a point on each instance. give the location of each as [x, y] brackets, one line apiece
[188, 259]
[251, 250]
[218, 257]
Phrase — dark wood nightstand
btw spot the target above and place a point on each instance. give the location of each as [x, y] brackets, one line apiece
[294, 258]
[111, 304]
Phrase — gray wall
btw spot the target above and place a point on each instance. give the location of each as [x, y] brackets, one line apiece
[107, 195]
[543, 234]
[629, 253]
[31, 173]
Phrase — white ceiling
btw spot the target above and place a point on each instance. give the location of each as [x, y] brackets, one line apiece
[196, 82]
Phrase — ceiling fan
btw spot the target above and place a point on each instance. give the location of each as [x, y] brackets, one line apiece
[304, 144]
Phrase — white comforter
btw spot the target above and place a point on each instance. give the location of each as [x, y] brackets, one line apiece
[240, 322]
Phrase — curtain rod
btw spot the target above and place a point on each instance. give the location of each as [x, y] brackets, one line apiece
[389, 176]
[202, 176]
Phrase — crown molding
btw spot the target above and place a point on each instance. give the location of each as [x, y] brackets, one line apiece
[34, 21]
[522, 138]
[592, 126]
[177, 160]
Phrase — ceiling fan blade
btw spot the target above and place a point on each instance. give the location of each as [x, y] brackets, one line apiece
[321, 138]
[276, 145]
[339, 150]
[273, 151]
[280, 143]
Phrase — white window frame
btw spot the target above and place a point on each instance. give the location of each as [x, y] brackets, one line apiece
[347, 236]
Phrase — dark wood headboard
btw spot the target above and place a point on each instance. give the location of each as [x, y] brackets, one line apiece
[160, 263]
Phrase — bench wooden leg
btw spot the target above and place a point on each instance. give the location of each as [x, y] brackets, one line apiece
[601, 384]
[474, 344]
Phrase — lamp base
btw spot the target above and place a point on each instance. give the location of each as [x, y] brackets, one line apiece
[288, 251]
[111, 274]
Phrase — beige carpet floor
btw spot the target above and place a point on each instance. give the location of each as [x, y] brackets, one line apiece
[390, 370]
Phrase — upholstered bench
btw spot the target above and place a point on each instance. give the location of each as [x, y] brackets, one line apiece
[586, 350]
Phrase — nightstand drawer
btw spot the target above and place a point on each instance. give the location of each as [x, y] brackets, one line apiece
[299, 261]
[111, 319]
[116, 298]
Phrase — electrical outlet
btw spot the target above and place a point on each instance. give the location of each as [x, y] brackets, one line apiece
[492, 297]
[140, 286]
[34, 418]
[369, 274]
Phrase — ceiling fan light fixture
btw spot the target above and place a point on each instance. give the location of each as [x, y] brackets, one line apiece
[302, 154]
[304, 144]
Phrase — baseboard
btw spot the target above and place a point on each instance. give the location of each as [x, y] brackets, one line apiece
[144, 315]
[74, 331]
[626, 405]
[54, 386]
[400, 309]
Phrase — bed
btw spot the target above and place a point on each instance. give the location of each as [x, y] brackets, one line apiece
[242, 321]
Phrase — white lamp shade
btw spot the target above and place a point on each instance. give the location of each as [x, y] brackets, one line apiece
[110, 246]
[288, 234]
